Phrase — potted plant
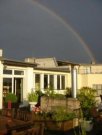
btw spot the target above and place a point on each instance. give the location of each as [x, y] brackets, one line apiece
[11, 100]
[59, 119]
[86, 96]
[33, 99]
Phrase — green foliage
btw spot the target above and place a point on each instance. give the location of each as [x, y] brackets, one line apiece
[68, 92]
[86, 96]
[60, 114]
[39, 93]
[49, 92]
[32, 97]
[11, 97]
[52, 94]
[58, 96]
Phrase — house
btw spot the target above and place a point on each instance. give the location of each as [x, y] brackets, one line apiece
[21, 77]
[90, 75]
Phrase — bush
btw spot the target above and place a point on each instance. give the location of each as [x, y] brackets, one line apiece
[11, 97]
[68, 92]
[60, 114]
[32, 97]
[86, 96]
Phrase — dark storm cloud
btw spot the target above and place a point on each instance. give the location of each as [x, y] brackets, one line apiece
[28, 30]
[85, 16]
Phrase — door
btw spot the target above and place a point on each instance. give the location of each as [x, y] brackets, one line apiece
[18, 88]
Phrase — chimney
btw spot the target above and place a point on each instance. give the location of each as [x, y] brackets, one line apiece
[1, 52]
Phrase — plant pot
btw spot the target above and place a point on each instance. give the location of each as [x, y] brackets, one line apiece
[32, 105]
[87, 125]
[9, 104]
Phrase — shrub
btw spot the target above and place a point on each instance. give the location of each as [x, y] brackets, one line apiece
[60, 114]
[32, 97]
[86, 96]
[11, 97]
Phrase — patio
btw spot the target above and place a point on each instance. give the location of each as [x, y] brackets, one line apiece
[23, 120]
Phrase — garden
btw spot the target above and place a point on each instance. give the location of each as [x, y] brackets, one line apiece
[61, 112]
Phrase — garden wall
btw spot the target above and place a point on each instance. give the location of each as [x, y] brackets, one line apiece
[51, 103]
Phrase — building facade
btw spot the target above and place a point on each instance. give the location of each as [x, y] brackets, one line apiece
[40, 73]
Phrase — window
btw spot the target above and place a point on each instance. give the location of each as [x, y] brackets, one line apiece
[7, 86]
[7, 71]
[51, 81]
[63, 82]
[37, 81]
[17, 72]
[98, 88]
[58, 82]
[45, 81]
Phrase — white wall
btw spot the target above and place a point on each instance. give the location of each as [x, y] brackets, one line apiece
[1, 84]
[28, 82]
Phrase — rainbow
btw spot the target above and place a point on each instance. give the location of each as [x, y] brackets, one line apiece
[55, 15]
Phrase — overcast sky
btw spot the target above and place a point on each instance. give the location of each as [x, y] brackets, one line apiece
[66, 29]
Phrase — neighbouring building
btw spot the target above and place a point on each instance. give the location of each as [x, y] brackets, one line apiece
[21, 77]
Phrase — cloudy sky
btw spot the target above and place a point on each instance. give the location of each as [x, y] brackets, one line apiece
[66, 29]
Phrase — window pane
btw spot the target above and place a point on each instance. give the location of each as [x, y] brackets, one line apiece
[58, 82]
[37, 81]
[7, 86]
[94, 86]
[45, 81]
[99, 92]
[98, 88]
[51, 81]
[63, 82]
[16, 72]
[7, 71]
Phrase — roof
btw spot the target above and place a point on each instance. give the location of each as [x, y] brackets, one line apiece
[60, 66]
[17, 63]
[43, 62]
[57, 69]
[91, 64]
[66, 63]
